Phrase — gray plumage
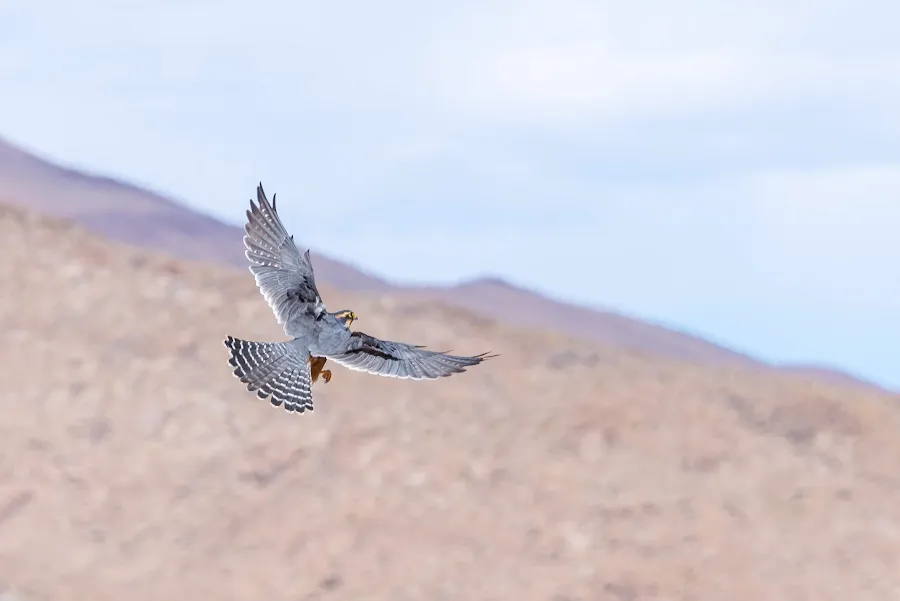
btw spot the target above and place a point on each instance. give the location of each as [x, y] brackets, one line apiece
[286, 280]
[272, 368]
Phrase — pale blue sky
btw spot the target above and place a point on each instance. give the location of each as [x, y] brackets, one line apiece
[732, 168]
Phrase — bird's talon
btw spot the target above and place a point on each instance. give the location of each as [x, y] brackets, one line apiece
[326, 375]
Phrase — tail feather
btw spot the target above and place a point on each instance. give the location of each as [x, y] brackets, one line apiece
[273, 369]
[255, 362]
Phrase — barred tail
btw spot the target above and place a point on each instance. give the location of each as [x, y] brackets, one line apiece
[273, 368]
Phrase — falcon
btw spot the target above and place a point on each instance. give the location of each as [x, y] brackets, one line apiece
[285, 371]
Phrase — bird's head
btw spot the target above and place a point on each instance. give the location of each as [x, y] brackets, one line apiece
[346, 317]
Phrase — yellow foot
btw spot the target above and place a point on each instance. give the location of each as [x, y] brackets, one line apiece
[316, 364]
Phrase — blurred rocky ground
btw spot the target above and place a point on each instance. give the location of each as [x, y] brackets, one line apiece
[136, 467]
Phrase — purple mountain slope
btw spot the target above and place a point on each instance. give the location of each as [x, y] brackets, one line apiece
[130, 214]
[143, 218]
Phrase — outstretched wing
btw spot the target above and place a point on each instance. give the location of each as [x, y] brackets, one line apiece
[284, 276]
[398, 360]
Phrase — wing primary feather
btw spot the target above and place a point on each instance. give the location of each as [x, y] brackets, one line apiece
[283, 274]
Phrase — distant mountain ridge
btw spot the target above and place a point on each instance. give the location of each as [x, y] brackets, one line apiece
[127, 213]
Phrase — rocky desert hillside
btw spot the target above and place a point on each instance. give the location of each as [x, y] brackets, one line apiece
[136, 467]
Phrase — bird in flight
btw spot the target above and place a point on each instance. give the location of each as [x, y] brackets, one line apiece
[285, 371]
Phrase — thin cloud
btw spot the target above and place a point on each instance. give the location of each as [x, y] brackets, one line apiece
[572, 62]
